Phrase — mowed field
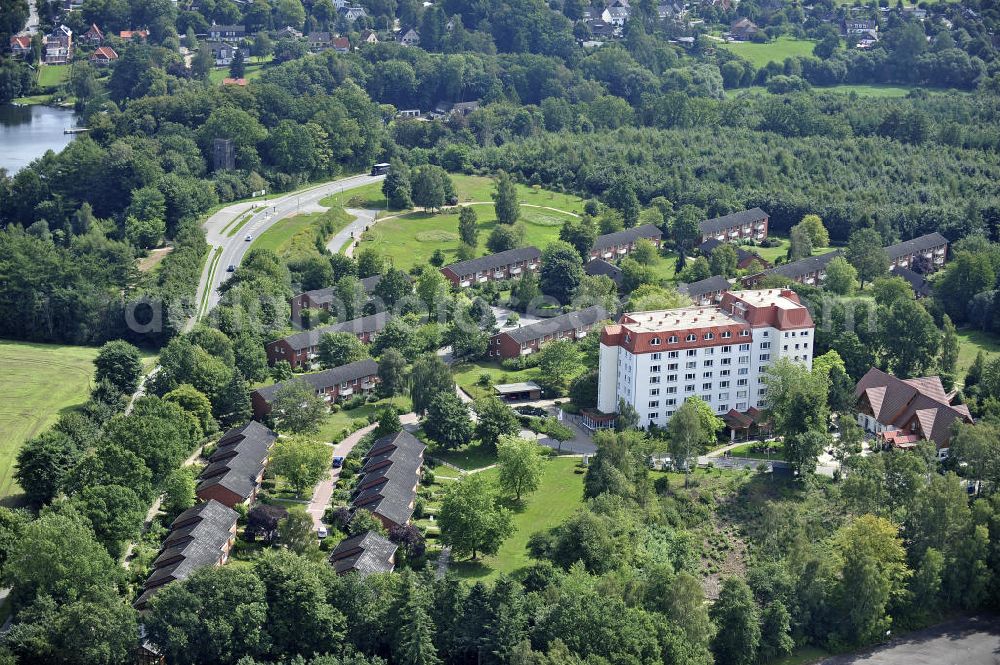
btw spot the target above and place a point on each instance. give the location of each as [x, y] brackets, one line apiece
[760, 54]
[41, 381]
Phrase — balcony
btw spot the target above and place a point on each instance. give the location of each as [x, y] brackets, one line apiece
[515, 271]
[532, 266]
[526, 351]
[928, 255]
[498, 274]
[760, 227]
[720, 237]
[939, 251]
[623, 250]
[465, 282]
[734, 233]
[346, 392]
[482, 279]
[580, 334]
[809, 280]
[367, 385]
[607, 255]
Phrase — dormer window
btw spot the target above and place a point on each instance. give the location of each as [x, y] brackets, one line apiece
[726, 334]
[628, 337]
[691, 337]
[672, 339]
[744, 333]
[655, 341]
[709, 335]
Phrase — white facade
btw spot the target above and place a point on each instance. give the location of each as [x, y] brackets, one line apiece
[723, 363]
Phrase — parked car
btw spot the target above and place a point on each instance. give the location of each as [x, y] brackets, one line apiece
[338, 462]
[231, 268]
[249, 237]
[322, 532]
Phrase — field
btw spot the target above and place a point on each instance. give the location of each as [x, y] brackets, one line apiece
[42, 381]
[334, 423]
[870, 90]
[295, 235]
[972, 342]
[251, 72]
[467, 376]
[761, 54]
[777, 452]
[771, 254]
[52, 75]
[559, 496]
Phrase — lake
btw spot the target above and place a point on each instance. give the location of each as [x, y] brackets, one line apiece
[26, 132]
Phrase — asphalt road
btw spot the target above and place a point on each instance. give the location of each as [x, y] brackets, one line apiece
[965, 641]
[264, 217]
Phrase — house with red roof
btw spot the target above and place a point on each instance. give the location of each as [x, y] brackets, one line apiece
[129, 35]
[104, 55]
[20, 46]
[93, 35]
[902, 412]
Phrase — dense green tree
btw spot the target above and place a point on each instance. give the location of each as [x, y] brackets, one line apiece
[865, 253]
[775, 632]
[813, 225]
[520, 464]
[234, 404]
[966, 275]
[116, 514]
[723, 260]
[691, 429]
[581, 234]
[737, 619]
[119, 363]
[396, 186]
[911, 340]
[447, 421]
[504, 237]
[796, 404]
[841, 277]
[468, 230]
[178, 491]
[43, 463]
[394, 286]
[494, 420]
[391, 373]
[471, 521]
[621, 196]
[195, 403]
[413, 642]
[340, 348]
[559, 361]
[800, 244]
[301, 462]
[505, 201]
[561, 271]
[297, 408]
[432, 377]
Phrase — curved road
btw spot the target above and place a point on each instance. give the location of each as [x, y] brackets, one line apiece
[265, 215]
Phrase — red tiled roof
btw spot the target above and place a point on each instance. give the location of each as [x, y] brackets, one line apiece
[105, 52]
[21, 41]
[229, 81]
[341, 42]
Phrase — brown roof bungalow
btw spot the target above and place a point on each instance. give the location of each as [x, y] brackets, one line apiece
[236, 468]
[301, 349]
[357, 378]
[903, 411]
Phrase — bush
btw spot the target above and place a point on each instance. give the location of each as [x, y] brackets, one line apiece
[428, 478]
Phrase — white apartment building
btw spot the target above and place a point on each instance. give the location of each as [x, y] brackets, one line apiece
[656, 360]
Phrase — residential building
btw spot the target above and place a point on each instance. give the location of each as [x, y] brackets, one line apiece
[409, 38]
[743, 257]
[616, 14]
[319, 41]
[59, 46]
[341, 44]
[618, 244]
[744, 225]
[289, 32]
[364, 554]
[743, 30]
[20, 46]
[387, 482]
[369, 37]
[103, 55]
[601, 29]
[357, 378]
[495, 267]
[656, 360]
[529, 338]
[236, 468]
[129, 35]
[596, 267]
[902, 412]
[228, 33]
[706, 291]
[200, 536]
[93, 35]
[810, 270]
[301, 349]
[859, 26]
[222, 52]
[924, 254]
[670, 10]
[326, 298]
[921, 287]
[352, 14]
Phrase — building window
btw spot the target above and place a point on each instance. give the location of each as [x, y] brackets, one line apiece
[726, 334]
[743, 371]
[692, 352]
[709, 335]
[655, 341]
[673, 354]
[764, 357]
[741, 406]
[672, 366]
[669, 413]
[784, 348]
[741, 393]
[672, 390]
[691, 337]
[723, 384]
[762, 391]
[706, 386]
[689, 388]
[723, 396]
[706, 375]
[690, 365]
[708, 363]
[744, 347]
[767, 333]
[689, 377]
[727, 349]
[710, 351]
[706, 398]
[724, 372]
[744, 360]
[670, 402]
[672, 339]
[726, 361]
[656, 356]
[765, 345]
[723, 408]
[741, 382]
[653, 392]
[653, 380]
[654, 368]
[654, 404]
[744, 333]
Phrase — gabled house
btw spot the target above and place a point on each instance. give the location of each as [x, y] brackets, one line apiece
[600, 28]
[357, 378]
[859, 26]
[301, 348]
[289, 32]
[129, 35]
[352, 14]
[319, 41]
[364, 554]
[228, 33]
[595, 267]
[620, 243]
[924, 254]
[222, 52]
[369, 37]
[743, 30]
[810, 270]
[20, 46]
[921, 287]
[236, 468]
[388, 479]
[744, 225]
[409, 38]
[743, 257]
[103, 55]
[706, 291]
[616, 15]
[341, 45]
[495, 267]
[530, 338]
[93, 35]
[902, 412]
[200, 536]
[325, 298]
[59, 46]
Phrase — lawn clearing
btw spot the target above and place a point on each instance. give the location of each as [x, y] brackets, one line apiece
[971, 342]
[334, 423]
[558, 497]
[42, 381]
[250, 73]
[50, 76]
[296, 235]
[761, 54]
[757, 451]
[467, 376]
[470, 457]
[771, 254]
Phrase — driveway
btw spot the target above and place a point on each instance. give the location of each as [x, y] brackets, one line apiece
[324, 490]
[966, 641]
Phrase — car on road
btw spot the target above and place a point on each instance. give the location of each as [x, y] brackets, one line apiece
[231, 268]
[249, 237]
[338, 462]
[322, 532]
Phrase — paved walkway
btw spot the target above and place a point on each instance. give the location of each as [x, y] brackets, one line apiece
[324, 490]
[362, 220]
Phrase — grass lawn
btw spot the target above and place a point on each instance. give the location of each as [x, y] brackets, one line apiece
[972, 342]
[559, 496]
[219, 73]
[412, 238]
[467, 376]
[52, 75]
[777, 451]
[295, 235]
[761, 54]
[43, 381]
[771, 254]
[666, 266]
[335, 422]
[803, 656]
[469, 457]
